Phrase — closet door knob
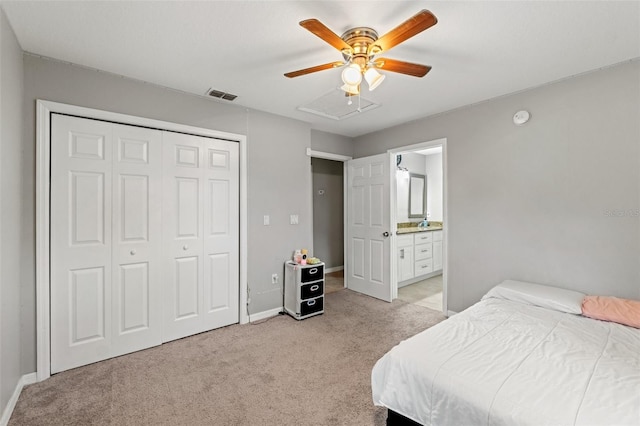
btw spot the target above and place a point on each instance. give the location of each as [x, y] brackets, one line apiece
[132, 252]
[185, 247]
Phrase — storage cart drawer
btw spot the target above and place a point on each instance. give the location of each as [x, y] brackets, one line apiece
[309, 291]
[308, 307]
[312, 274]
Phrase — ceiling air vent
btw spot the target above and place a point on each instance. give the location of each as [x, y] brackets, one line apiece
[221, 95]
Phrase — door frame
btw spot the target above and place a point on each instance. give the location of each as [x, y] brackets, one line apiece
[44, 109]
[445, 216]
[342, 158]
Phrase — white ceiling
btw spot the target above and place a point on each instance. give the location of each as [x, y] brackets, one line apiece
[478, 50]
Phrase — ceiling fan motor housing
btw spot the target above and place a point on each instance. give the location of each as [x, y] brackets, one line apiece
[360, 39]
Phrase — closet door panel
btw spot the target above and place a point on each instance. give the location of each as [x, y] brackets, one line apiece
[80, 241]
[137, 239]
[182, 235]
[221, 233]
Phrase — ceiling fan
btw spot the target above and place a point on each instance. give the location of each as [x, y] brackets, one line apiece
[359, 47]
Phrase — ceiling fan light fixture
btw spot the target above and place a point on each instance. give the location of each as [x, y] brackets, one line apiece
[374, 78]
[351, 89]
[352, 75]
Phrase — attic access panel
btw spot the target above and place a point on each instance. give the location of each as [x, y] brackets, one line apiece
[335, 105]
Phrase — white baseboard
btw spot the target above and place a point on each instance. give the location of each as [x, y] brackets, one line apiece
[264, 315]
[450, 313]
[334, 269]
[27, 379]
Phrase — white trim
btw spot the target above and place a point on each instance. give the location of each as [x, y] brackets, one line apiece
[43, 157]
[393, 226]
[445, 214]
[445, 229]
[345, 208]
[266, 314]
[334, 269]
[25, 380]
[451, 313]
[328, 155]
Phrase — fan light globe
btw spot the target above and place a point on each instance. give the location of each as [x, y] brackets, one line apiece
[351, 89]
[352, 75]
[374, 78]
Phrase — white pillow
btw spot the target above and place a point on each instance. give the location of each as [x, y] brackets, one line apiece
[555, 298]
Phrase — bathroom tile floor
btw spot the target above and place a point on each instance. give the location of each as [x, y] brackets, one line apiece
[427, 293]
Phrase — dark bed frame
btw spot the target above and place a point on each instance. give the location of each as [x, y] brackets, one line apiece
[395, 419]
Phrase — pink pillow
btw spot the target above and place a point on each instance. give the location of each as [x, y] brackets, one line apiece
[622, 311]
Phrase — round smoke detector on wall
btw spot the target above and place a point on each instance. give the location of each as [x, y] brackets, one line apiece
[521, 117]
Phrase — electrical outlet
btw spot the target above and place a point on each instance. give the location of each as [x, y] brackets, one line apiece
[293, 219]
[274, 279]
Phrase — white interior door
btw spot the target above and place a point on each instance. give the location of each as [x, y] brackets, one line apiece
[369, 226]
[104, 241]
[200, 208]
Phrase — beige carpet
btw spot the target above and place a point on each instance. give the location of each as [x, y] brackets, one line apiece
[277, 372]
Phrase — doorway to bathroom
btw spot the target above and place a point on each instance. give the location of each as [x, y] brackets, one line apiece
[419, 206]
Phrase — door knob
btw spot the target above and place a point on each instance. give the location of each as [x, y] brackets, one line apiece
[185, 247]
[385, 234]
[132, 252]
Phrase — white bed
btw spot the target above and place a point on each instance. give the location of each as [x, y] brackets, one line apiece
[505, 362]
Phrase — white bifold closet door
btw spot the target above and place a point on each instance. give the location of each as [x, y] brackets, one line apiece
[119, 214]
[201, 219]
[106, 240]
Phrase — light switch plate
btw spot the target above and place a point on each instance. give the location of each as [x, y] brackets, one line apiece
[265, 220]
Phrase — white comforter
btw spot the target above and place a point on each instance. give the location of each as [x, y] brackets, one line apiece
[506, 363]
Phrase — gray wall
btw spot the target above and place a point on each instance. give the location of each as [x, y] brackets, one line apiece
[277, 160]
[328, 211]
[554, 201]
[10, 157]
[332, 143]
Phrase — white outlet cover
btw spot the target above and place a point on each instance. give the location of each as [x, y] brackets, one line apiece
[293, 219]
[265, 220]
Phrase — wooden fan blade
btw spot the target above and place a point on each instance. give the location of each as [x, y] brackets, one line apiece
[416, 70]
[412, 26]
[314, 69]
[321, 30]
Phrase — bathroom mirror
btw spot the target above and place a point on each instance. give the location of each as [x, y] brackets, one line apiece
[417, 195]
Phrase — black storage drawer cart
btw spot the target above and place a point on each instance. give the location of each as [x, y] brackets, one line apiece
[303, 289]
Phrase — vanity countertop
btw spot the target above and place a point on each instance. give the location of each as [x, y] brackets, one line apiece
[413, 229]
